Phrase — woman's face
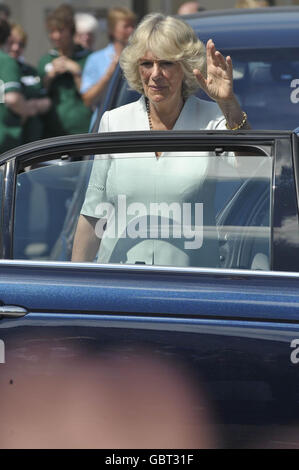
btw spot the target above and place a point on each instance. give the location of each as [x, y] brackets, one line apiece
[162, 80]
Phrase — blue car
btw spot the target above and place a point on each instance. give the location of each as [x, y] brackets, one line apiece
[119, 355]
[264, 47]
[115, 355]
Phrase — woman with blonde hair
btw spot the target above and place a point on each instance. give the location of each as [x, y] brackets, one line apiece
[166, 63]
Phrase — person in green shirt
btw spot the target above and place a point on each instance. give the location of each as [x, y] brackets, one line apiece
[31, 85]
[60, 71]
[14, 109]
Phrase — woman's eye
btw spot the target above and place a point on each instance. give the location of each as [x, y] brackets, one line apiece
[166, 63]
[146, 64]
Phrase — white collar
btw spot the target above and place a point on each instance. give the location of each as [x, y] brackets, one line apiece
[185, 114]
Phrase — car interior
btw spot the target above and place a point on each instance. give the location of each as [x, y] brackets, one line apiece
[49, 198]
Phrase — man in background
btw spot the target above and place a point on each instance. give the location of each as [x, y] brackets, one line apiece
[31, 84]
[101, 64]
[60, 71]
[14, 109]
[188, 8]
[254, 3]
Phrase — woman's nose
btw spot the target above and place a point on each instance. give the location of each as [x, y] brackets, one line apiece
[156, 71]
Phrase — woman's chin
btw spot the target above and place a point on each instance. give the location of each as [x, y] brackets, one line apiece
[157, 98]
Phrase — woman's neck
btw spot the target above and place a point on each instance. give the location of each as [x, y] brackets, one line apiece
[163, 116]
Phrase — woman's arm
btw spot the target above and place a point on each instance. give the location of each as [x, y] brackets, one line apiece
[219, 86]
[87, 238]
[234, 115]
[86, 242]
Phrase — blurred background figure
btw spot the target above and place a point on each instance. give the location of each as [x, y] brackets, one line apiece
[101, 64]
[115, 401]
[4, 11]
[60, 71]
[188, 8]
[254, 3]
[31, 84]
[14, 109]
[87, 27]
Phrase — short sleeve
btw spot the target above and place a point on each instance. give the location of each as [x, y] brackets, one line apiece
[221, 124]
[92, 72]
[11, 76]
[96, 189]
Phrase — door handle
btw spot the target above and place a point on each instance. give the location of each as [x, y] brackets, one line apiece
[12, 311]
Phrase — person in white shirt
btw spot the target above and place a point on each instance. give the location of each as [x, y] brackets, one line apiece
[166, 63]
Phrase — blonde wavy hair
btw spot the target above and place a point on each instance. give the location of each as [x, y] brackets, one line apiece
[170, 39]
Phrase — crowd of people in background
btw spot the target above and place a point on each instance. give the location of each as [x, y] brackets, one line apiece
[60, 95]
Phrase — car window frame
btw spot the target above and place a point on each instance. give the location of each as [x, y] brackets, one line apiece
[100, 143]
[111, 94]
[295, 147]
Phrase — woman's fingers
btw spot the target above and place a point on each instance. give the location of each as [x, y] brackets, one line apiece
[211, 52]
[201, 79]
[229, 65]
[214, 57]
[218, 82]
[221, 60]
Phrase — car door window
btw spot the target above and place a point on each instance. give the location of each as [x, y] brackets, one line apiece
[48, 199]
[191, 209]
[1, 192]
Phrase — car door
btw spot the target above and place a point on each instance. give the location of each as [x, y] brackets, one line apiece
[101, 354]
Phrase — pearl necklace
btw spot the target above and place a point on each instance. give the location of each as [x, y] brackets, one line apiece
[147, 104]
[148, 113]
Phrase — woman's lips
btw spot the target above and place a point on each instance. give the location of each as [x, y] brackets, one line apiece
[157, 88]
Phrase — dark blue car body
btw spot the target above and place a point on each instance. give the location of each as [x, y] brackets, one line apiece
[234, 331]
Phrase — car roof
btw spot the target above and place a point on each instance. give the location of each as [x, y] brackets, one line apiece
[248, 28]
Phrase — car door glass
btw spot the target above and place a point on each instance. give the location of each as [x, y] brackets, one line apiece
[191, 209]
[1, 191]
[48, 200]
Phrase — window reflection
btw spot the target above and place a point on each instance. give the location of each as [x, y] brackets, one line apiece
[191, 209]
